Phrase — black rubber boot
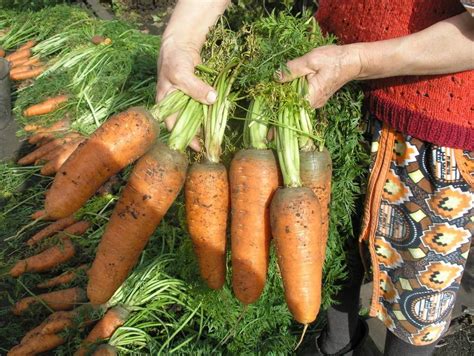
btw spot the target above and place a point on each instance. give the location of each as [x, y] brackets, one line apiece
[354, 348]
[10, 145]
[5, 95]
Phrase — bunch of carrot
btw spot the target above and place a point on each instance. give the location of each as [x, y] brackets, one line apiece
[22, 64]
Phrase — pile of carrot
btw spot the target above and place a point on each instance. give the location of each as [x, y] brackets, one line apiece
[22, 65]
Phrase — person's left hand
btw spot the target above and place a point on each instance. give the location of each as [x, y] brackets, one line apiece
[327, 69]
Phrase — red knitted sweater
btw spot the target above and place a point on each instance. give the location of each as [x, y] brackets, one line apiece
[437, 109]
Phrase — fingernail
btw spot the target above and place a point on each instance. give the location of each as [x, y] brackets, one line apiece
[278, 75]
[211, 97]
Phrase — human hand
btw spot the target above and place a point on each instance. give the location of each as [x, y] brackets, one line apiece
[327, 69]
[176, 71]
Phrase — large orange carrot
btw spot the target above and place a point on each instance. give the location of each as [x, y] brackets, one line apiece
[207, 206]
[253, 180]
[46, 260]
[37, 344]
[117, 143]
[29, 74]
[21, 53]
[62, 279]
[43, 150]
[316, 173]
[64, 153]
[77, 228]
[295, 217]
[59, 300]
[152, 187]
[45, 106]
[51, 229]
[296, 229]
[111, 321]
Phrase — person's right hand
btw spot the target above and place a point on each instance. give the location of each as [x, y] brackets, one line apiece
[176, 65]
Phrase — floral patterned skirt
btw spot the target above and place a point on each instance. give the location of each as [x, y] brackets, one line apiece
[418, 223]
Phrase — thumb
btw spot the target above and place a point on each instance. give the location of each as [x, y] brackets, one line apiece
[298, 67]
[198, 90]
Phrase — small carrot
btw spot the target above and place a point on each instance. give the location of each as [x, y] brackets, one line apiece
[41, 151]
[97, 39]
[64, 299]
[2, 52]
[51, 230]
[49, 133]
[27, 44]
[40, 214]
[46, 260]
[37, 344]
[118, 142]
[53, 166]
[62, 279]
[46, 106]
[54, 323]
[111, 321]
[23, 53]
[58, 125]
[77, 228]
[33, 73]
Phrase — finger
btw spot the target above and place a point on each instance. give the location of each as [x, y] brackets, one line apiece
[198, 90]
[296, 68]
[317, 96]
[195, 144]
[170, 121]
[163, 88]
[270, 134]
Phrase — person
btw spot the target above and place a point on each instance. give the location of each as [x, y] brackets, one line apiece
[416, 61]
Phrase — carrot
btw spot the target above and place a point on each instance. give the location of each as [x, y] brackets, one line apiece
[207, 190]
[59, 300]
[18, 63]
[51, 230]
[33, 73]
[97, 39]
[253, 180]
[64, 153]
[111, 321]
[2, 52]
[40, 214]
[62, 279]
[19, 54]
[77, 228]
[37, 344]
[118, 142]
[153, 186]
[295, 217]
[58, 125]
[46, 260]
[207, 206]
[316, 173]
[28, 44]
[54, 323]
[296, 224]
[49, 133]
[50, 146]
[46, 106]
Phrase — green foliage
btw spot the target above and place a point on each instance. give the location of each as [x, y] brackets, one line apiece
[34, 5]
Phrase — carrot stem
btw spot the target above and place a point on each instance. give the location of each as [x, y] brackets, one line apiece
[287, 146]
[186, 126]
[256, 126]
